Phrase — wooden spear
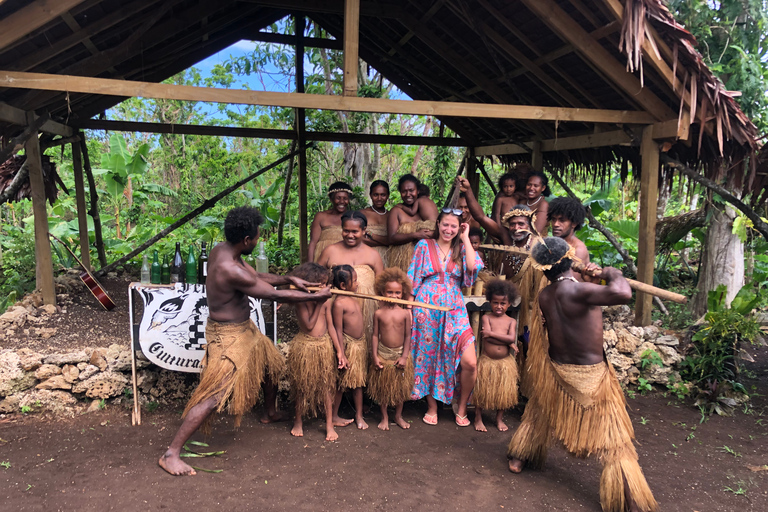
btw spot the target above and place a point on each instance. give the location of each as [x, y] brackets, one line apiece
[379, 297]
[635, 285]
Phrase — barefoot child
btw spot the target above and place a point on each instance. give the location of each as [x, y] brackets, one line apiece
[349, 335]
[391, 376]
[496, 386]
[311, 361]
[505, 199]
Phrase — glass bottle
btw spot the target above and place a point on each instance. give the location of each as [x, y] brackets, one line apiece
[191, 267]
[145, 270]
[262, 262]
[177, 267]
[202, 265]
[165, 272]
[155, 272]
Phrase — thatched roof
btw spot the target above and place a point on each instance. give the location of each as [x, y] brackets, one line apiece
[558, 53]
[11, 167]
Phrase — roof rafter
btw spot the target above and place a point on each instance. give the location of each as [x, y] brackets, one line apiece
[29, 18]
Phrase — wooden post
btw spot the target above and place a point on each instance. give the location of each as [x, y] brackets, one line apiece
[537, 159]
[351, 40]
[82, 214]
[94, 209]
[43, 258]
[301, 126]
[646, 246]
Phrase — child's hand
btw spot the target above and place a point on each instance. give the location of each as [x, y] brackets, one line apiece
[487, 334]
[401, 361]
[514, 347]
[343, 362]
[377, 363]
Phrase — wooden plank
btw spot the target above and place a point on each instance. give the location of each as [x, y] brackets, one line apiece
[17, 116]
[567, 28]
[646, 246]
[266, 133]
[312, 42]
[105, 86]
[351, 44]
[43, 258]
[82, 213]
[592, 140]
[28, 19]
[537, 156]
[372, 9]
[674, 128]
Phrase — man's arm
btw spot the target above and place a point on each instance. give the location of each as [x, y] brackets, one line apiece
[616, 291]
[251, 285]
[582, 254]
[277, 280]
[491, 227]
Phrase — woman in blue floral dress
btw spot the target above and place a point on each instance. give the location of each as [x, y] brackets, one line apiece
[443, 341]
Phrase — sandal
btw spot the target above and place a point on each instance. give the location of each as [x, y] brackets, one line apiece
[430, 419]
[462, 421]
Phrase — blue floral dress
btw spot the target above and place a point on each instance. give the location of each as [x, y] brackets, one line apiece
[439, 338]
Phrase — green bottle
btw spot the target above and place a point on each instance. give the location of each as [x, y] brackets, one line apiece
[191, 266]
[155, 271]
[165, 272]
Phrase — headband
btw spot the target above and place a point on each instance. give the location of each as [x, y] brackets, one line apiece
[340, 190]
[570, 254]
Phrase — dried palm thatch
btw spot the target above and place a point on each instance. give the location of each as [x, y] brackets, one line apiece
[11, 167]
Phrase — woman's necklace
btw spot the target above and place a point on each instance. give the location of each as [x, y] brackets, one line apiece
[443, 255]
[534, 203]
[566, 278]
[374, 209]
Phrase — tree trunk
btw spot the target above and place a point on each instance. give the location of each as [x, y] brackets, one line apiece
[664, 193]
[722, 261]
[286, 193]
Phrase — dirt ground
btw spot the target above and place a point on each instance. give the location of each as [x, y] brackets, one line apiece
[100, 462]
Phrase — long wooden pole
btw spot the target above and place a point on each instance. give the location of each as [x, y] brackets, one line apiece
[383, 299]
[82, 214]
[635, 285]
[646, 245]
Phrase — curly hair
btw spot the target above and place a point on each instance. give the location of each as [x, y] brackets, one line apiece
[476, 232]
[342, 274]
[499, 287]
[507, 177]
[378, 183]
[551, 251]
[569, 208]
[393, 274]
[311, 272]
[423, 191]
[355, 216]
[408, 177]
[241, 222]
[544, 181]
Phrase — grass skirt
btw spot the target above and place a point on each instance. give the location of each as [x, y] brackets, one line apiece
[365, 284]
[383, 250]
[583, 407]
[312, 368]
[391, 385]
[496, 387]
[401, 255]
[237, 357]
[356, 351]
[328, 236]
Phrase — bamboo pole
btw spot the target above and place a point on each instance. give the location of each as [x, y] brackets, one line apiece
[381, 298]
[635, 285]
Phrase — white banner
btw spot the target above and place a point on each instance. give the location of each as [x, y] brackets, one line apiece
[172, 327]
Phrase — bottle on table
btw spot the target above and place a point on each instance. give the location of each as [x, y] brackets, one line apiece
[145, 277]
[262, 262]
[155, 272]
[177, 267]
[202, 265]
[191, 270]
[165, 272]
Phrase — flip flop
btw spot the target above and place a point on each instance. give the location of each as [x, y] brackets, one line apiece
[430, 419]
[462, 421]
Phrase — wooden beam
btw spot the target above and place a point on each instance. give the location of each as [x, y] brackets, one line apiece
[592, 140]
[371, 9]
[105, 86]
[312, 42]
[17, 116]
[674, 128]
[43, 258]
[266, 133]
[82, 213]
[351, 43]
[537, 157]
[567, 28]
[646, 246]
[28, 19]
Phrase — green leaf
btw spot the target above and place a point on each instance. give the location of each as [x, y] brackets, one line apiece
[625, 228]
[207, 470]
[115, 186]
[599, 201]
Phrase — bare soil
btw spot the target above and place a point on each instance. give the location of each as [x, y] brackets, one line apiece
[100, 462]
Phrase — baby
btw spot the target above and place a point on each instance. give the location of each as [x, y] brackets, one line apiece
[505, 199]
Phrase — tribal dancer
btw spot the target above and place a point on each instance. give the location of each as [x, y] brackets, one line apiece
[576, 397]
[238, 358]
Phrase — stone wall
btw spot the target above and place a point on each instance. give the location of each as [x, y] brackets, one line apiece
[73, 382]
